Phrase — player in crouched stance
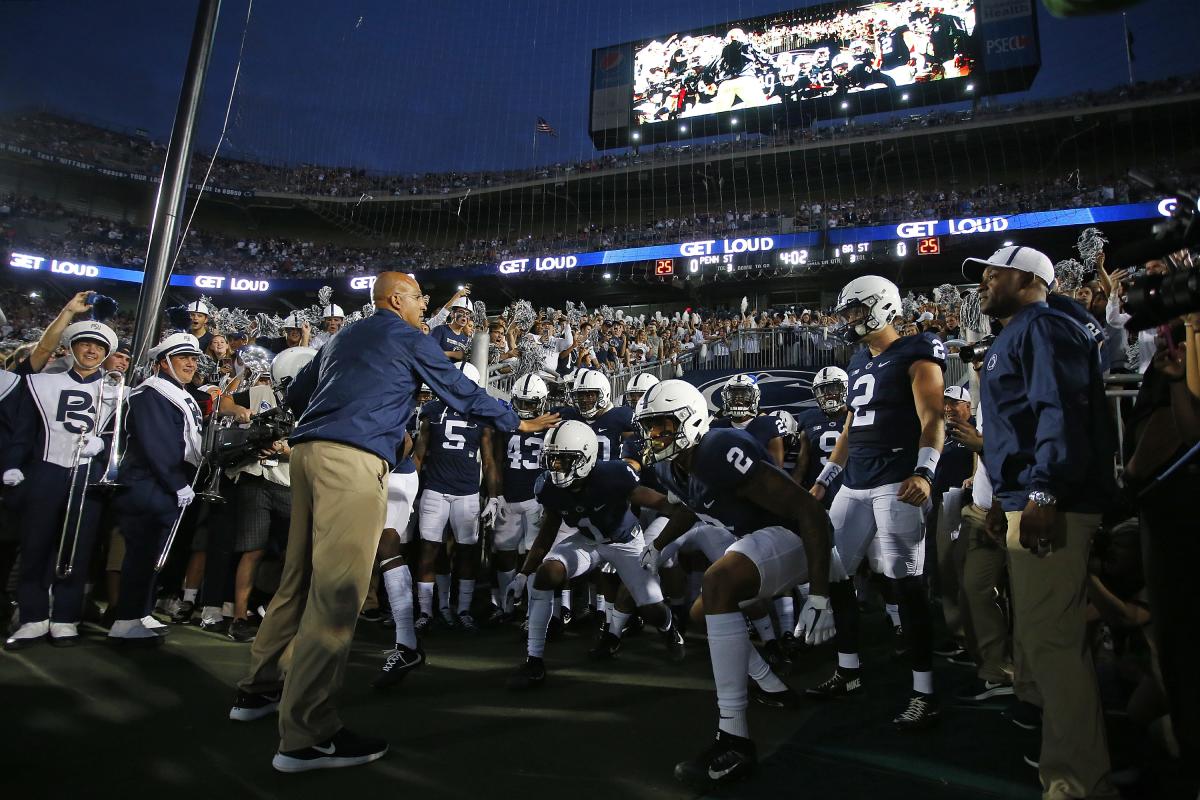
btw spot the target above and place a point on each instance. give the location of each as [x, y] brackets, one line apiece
[784, 539]
[593, 497]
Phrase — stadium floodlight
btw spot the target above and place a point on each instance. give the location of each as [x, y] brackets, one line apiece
[608, 276]
[845, 105]
[970, 87]
[733, 120]
[461, 287]
[33, 295]
[1008, 243]
[904, 96]
[683, 128]
[636, 136]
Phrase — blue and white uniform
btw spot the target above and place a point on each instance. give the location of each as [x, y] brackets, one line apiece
[605, 529]
[884, 438]
[764, 428]
[451, 474]
[610, 428]
[520, 469]
[403, 485]
[822, 432]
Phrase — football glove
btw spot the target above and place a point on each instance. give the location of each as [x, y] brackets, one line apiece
[12, 477]
[816, 620]
[491, 513]
[515, 591]
[649, 558]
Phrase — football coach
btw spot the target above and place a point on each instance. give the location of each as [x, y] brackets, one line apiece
[353, 398]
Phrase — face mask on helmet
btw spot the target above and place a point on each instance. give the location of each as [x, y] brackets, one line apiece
[529, 407]
[661, 436]
[587, 401]
[831, 397]
[738, 401]
[565, 467]
[854, 321]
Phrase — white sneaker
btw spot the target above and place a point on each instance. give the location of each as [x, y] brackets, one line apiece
[64, 634]
[132, 630]
[154, 625]
[27, 634]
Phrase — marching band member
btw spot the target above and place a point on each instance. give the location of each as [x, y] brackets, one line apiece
[162, 455]
[333, 318]
[58, 411]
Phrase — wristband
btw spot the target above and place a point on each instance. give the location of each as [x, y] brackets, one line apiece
[829, 474]
[927, 459]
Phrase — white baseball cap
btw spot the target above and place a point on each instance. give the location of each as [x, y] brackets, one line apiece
[1017, 256]
[959, 393]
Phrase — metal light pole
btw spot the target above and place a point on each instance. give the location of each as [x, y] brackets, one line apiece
[172, 189]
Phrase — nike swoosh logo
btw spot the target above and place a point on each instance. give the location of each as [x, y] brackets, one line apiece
[709, 504]
[326, 750]
[717, 774]
[883, 363]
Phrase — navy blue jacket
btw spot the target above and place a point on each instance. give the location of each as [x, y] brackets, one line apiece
[154, 447]
[361, 387]
[1046, 421]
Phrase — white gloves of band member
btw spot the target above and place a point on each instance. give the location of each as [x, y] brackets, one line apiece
[650, 557]
[92, 446]
[514, 592]
[492, 513]
[12, 477]
[816, 620]
[185, 496]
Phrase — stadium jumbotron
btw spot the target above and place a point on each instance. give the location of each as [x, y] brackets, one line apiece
[244, 244]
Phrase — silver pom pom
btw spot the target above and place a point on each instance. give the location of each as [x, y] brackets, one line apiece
[606, 313]
[480, 314]
[523, 315]
[531, 355]
[1090, 245]
[909, 306]
[1068, 275]
[325, 296]
[208, 368]
[574, 314]
[970, 316]
[947, 296]
[269, 326]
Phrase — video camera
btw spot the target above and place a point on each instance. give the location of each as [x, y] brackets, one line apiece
[237, 447]
[1153, 300]
[971, 353]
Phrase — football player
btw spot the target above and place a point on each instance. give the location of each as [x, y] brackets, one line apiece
[729, 480]
[637, 387]
[889, 450]
[593, 497]
[591, 399]
[820, 428]
[450, 450]
[791, 443]
[740, 397]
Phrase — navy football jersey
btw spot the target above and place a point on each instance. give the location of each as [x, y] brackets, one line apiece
[452, 460]
[405, 466]
[822, 433]
[610, 428]
[763, 428]
[522, 464]
[449, 341]
[885, 431]
[599, 505]
[722, 464]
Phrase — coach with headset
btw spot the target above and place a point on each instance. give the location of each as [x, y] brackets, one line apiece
[1049, 455]
[354, 397]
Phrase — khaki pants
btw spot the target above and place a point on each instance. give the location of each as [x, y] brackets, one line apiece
[1049, 599]
[983, 570]
[339, 496]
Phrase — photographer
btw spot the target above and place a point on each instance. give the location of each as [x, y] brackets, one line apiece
[1049, 454]
[262, 496]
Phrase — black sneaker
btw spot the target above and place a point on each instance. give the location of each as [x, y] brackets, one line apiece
[447, 617]
[566, 616]
[777, 657]
[554, 629]
[467, 623]
[899, 641]
[1025, 716]
[423, 625]
[215, 625]
[397, 663]
[577, 621]
[949, 648]
[785, 699]
[634, 626]
[248, 706]
[345, 749]
[921, 712]
[183, 614]
[727, 759]
[962, 659]
[841, 683]
[370, 615]
[673, 639]
[790, 643]
[1033, 759]
[982, 690]
[530, 675]
[241, 631]
[606, 647]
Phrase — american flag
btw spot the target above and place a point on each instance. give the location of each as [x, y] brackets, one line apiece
[545, 127]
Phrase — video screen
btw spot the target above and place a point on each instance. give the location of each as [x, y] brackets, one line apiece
[802, 55]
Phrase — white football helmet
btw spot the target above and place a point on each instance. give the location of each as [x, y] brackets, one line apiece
[790, 425]
[569, 452]
[470, 371]
[740, 396]
[289, 363]
[866, 305]
[638, 386]
[587, 383]
[829, 387]
[530, 396]
[842, 63]
[424, 394]
[681, 402]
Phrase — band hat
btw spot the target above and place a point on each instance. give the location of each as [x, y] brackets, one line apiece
[91, 331]
[177, 344]
[200, 307]
[1019, 257]
[332, 310]
[959, 393]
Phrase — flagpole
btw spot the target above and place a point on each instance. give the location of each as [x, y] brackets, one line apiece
[1128, 47]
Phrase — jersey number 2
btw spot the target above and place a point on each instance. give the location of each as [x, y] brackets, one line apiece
[741, 462]
[860, 401]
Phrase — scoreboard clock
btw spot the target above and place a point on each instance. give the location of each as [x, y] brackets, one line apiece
[929, 246]
[664, 266]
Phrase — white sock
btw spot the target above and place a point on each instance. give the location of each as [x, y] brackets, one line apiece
[189, 595]
[923, 682]
[557, 605]
[398, 582]
[443, 588]
[503, 579]
[893, 611]
[616, 625]
[425, 597]
[785, 609]
[848, 661]
[729, 649]
[227, 609]
[210, 614]
[804, 590]
[566, 599]
[466, 592]
[601, 605]
[593, 594]
[609, 608]
[766, 631]
[540, 601]
[760, 672]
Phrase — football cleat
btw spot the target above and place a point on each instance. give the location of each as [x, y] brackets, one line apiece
[841, 683]
[634, 626]
[785, 699]
[529, 675]
[921, 712]
[467, 622]
[673, 638]
[777, 658]
[28, 634]
[949, 648]
[183, 612]
[727, 759]
[397, 663]
[423, 625]
[448, 617]
[64, 634]
[370, 615]
[606, 647]
[241, 631]
[554, 629]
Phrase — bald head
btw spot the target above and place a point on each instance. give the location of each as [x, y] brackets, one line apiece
[400, 294]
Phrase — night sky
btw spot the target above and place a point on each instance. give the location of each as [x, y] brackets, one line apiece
[453, 84]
